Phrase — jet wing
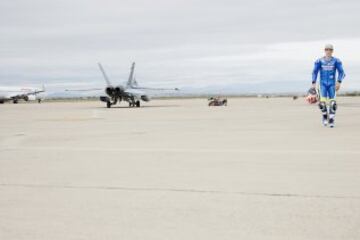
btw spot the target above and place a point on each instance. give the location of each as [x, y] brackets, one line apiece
[35, 92]
[135, 92]
[156, 89]
[83, 90]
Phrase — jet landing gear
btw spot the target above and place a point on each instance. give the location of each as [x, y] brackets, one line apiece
[134, 103]
[108, 101]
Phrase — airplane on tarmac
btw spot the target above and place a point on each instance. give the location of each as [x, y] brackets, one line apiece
[131, 92]
[15, 94]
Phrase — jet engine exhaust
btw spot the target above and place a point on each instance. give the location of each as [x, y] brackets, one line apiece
[110, 91]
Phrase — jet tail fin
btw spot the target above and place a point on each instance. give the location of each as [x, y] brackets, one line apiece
[130, 81]
[104, 75]
[41, 90]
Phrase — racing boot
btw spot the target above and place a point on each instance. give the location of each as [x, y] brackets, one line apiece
[322, 106]
[332, 111]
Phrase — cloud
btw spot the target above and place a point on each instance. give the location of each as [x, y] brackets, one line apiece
[175, 43]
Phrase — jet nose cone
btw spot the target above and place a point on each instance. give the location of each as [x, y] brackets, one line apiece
[120, 89]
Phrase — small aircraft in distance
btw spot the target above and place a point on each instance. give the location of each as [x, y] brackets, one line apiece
[15, 94]
[131, 92]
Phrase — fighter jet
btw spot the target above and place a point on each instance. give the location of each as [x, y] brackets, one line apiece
[131, 92]
[15, 94]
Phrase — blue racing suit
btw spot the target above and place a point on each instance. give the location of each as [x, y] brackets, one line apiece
[327, 69]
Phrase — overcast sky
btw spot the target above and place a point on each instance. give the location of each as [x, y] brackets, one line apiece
[197, 44]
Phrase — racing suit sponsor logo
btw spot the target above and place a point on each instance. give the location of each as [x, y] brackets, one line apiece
[328, 67]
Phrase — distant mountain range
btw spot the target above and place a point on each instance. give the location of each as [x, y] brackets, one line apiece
[228, 89]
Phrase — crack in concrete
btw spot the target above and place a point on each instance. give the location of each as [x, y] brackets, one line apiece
[183, 190]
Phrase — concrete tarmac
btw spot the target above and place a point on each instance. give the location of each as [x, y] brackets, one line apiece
[177, 169]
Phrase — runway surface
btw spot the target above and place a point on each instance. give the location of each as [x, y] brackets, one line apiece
[177, 169]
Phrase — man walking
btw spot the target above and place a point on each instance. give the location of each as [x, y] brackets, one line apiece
[328, 66]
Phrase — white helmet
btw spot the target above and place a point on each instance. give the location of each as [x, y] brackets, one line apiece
[329, 46]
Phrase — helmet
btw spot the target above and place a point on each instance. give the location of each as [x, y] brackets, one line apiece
[312, 96]
[329, 46]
